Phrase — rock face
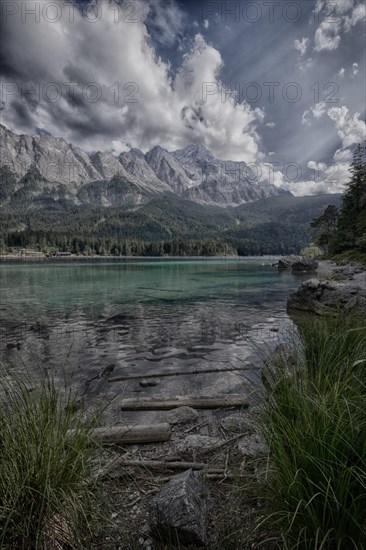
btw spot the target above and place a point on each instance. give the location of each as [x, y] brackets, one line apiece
[221, 182]
[298, 264]
[168, 169]
[320, 297]
[49, 169]
[178, 512]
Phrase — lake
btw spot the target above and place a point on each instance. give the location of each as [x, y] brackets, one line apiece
[144, 316]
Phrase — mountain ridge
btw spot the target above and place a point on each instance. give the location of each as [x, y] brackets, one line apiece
[191, 172]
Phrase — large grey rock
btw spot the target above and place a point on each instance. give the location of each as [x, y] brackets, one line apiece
[178, 512]
[181, 415]
[320, 297]
[304, 263]
[286, 261]
[298, 264]
[238, 423]
[253, 446]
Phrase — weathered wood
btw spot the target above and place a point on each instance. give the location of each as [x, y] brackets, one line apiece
[160, 465]
[153, 433]
[178, 373]
[165, 465]
[223, 402]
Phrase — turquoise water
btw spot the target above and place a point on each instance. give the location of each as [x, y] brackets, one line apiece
[141, 315]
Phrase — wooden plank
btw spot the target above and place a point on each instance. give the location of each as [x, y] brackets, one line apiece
[131, 435]
[179, 373]
[222, 402]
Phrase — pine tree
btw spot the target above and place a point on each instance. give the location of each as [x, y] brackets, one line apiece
[351, 227]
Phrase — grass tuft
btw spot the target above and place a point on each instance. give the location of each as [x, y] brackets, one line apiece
[314, 421]
[44, 471]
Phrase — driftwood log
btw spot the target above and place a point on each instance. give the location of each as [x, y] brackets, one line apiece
[153, 433]
[223, 402]
[125, 378]
[160, 465]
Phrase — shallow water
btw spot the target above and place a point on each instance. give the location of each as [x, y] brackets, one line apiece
[143, 316]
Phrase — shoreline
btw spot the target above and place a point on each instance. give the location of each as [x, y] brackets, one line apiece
[73, 258]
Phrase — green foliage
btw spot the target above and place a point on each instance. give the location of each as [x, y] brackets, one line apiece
[313, 251]
[352, 255]
[351, 227]
[325, 226]
[166, 224]
[43, 469]
[8, 182]
[315, 423]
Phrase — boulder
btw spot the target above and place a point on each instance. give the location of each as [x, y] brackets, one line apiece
[253, 446]
[182, 415]
[305, 263]
[322, 297]
[286, 262]
[177, 513]
[238, 423]
[298, 264]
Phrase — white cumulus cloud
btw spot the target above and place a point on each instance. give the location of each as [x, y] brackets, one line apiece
[138, 100]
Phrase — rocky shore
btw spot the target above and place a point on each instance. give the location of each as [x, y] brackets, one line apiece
[331, 288]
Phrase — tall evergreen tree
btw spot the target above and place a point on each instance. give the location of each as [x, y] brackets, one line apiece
[351, 227]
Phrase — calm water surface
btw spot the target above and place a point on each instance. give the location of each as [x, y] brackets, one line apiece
[144, 316]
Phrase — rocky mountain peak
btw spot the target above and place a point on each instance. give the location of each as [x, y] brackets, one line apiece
[191, 172]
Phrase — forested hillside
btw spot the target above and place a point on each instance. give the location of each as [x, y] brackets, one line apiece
[169, 225]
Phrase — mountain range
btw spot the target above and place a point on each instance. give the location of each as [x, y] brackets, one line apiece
[41, 170]
[54, 195]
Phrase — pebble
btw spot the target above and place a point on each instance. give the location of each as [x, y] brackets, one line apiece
[149, 383]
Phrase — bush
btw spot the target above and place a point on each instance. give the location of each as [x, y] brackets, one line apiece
[315, 423]
[44, 471]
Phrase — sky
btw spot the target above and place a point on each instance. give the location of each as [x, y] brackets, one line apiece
[279, 84]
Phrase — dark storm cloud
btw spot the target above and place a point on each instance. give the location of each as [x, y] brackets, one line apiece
[113, 82]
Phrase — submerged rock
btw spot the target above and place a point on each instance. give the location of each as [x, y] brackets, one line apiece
[178, 512]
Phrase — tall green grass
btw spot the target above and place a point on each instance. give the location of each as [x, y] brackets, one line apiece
[44, 471]
[315, 423]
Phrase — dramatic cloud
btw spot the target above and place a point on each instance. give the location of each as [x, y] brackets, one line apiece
[338, 16]
[327, 36]
[123, 74]
[102, 86]
[166, 21]
[350, 128]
